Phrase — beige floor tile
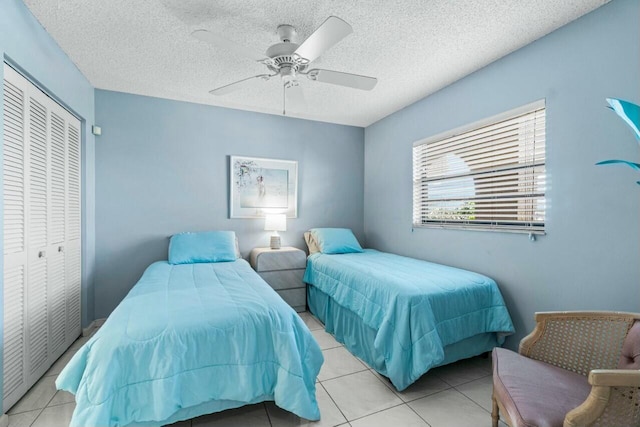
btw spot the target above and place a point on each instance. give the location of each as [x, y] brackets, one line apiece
[59, 364]
[450, 408]
[62, 397]
[55, 416]
[79, 343]
[348, 389]
[461, 372]
[479, 391]
[483, 362]
[24, 419]
[329, 413]
[252, 415]
[37, 397]
[311, 322]
[338, 362]
[363, 362]
[428, 384]
[401, 416]
[325, 340]
[360, 394]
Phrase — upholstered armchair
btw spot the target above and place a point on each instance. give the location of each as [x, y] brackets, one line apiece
[574, 369]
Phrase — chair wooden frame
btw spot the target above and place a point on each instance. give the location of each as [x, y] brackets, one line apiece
[615, 393]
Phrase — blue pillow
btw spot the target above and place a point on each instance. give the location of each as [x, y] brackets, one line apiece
[206, 246]
[335, 240]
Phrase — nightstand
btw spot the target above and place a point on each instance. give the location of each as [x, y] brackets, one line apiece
[283, 269]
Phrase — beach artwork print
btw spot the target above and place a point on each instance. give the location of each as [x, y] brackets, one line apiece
[262, 186]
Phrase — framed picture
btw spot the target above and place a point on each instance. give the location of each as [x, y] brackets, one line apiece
[262, 186]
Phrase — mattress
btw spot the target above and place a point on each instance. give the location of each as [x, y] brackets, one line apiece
[193, 339]
[413, 310]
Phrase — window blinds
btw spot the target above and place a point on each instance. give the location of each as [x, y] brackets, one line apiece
[489, 175]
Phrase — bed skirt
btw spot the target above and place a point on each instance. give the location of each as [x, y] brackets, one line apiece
[359, 338]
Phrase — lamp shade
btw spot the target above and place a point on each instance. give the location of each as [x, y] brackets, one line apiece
[275, 222]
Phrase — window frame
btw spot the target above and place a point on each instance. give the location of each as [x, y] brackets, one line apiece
[536, 169]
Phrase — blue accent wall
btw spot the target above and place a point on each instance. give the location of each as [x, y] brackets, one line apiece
[28, 47]
[589, 257]
[162, 167]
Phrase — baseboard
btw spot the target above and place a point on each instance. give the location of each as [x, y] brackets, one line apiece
[89, 330]
[4, 420]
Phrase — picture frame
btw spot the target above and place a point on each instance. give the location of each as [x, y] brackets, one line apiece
[259, 186]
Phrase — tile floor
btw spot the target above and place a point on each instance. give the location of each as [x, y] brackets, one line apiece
[348, 392]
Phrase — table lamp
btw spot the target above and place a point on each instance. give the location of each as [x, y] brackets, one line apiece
[275, 223]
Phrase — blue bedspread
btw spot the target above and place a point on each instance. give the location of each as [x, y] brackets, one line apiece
[192, 339]
[416, 307]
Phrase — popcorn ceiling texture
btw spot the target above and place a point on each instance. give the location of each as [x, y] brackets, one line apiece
[413, 47]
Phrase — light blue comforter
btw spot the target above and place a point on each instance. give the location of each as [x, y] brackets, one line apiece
[416, 307]
[193, 339]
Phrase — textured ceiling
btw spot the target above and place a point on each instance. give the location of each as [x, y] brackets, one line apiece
[413, 47]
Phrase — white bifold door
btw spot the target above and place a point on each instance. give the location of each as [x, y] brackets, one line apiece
[41, 205]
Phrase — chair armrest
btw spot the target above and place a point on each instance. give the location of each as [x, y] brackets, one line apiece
[560, 338]
[614, 400]
[615, 377]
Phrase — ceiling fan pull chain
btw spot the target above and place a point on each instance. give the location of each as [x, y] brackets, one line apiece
[284, 101]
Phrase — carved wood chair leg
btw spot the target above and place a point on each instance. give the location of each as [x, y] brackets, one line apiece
[495, 416]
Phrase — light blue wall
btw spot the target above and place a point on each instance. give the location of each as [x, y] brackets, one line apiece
[162, 168]
[28, 47]
[589, 258]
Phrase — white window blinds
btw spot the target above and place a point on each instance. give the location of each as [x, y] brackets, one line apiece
[488, 176]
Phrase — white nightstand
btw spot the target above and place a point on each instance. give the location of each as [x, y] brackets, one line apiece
[283, 269]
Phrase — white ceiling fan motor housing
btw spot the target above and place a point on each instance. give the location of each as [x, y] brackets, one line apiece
[282, 54]
[286, 33]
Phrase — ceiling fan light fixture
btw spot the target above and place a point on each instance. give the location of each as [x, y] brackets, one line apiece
[287, 73]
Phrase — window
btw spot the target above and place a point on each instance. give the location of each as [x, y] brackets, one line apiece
[486, 176]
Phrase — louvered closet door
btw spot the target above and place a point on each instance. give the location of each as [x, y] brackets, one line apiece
[73, 231]
[41, 194]
[37, 219]
[57, 202]
[15, 257]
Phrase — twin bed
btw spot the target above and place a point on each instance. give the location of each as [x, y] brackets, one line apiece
[203, 332]
[401, 315]
[198, 334]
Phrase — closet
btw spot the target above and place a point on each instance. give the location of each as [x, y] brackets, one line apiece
[41, 206]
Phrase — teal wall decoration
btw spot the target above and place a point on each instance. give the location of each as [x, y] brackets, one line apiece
[630, 113]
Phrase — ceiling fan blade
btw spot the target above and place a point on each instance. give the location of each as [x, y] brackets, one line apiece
[231, 87]
[343, 79]
[295, 96]
[219, 41]
[325, 36]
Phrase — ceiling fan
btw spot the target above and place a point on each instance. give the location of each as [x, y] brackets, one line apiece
[290, 60]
